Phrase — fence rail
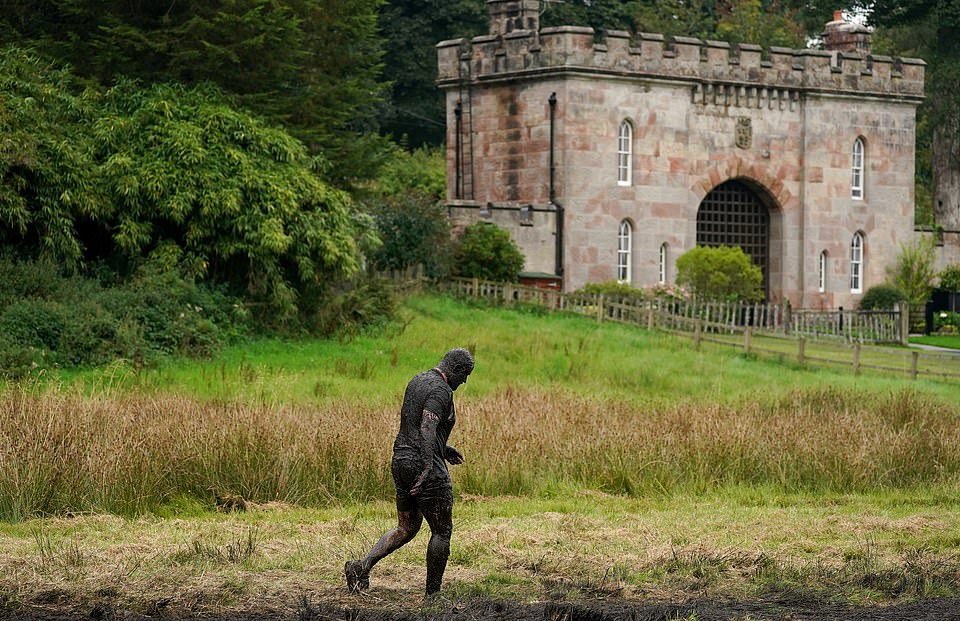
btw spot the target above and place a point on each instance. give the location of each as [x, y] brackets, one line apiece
[841, 338]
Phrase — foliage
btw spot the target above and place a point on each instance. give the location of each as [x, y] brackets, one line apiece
[364, 303]
[914, 271]
[749, 22]
[313, 65]
[720, 273]
[423, 171]
[486, 251]
[50, 320]
[945, 322]
[411, 29]
[168, 171]
[415, 230]
[688, 18]
[614, 289]
[882, 297]
[950, 278]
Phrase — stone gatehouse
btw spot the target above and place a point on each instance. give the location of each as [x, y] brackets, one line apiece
[608, 156]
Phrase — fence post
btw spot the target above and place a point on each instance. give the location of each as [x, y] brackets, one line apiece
[650, 318]
[600, 308]
[787, 317]
[697, 333]
[476, 287]
[915, 359]
[904, 323]
[802, 350]
[747, 338]
[856, 358]
[507, 293]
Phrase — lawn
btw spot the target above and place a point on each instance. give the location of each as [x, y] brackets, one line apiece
[951, 342]
[604, 463]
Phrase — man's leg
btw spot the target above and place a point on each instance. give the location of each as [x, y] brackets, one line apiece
[409, 520]
[440, 519]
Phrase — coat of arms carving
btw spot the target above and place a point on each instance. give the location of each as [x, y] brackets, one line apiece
[744, 132]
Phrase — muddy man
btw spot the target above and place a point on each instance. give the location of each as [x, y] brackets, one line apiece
[420, 453]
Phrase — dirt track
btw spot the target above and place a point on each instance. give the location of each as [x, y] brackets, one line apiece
[939, 609]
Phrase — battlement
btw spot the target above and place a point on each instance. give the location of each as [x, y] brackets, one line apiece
[571, 49]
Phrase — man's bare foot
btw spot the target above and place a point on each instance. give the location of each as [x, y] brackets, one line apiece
[357, 579]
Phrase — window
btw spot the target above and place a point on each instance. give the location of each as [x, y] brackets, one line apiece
[822, 287]
[623, 252]
[624, 153]
[856, 263]
[663, 264]
[856, 184]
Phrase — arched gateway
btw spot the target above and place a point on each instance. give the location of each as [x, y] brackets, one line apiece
[733, 214]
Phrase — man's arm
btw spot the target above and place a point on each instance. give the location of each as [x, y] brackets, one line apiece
[428, 438]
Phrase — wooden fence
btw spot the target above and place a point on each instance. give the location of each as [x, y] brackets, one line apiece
[830, 338]
[681, 314]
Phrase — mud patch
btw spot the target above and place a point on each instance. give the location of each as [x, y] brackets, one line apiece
[934, 609]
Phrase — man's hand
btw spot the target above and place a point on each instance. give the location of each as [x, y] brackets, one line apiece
[415, 490]
[453, 456]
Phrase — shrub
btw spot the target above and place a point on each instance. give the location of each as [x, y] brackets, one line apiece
[720, 273]
[945, 322]
[914, 271]
[487, 251]
[414, 229]
[882, 297]
[364, 303]
[614, 289]
[950, 278]
[49, 320]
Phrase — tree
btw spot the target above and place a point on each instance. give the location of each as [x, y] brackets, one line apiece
[136, 172]
[720, 273]
[415, 111]
[929, 29]
[487, 251]
[690, 18]
[914, 271]
[749, 22]
[313, 65]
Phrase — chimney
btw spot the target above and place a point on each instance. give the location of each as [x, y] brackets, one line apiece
[509, 15]
[843, 36]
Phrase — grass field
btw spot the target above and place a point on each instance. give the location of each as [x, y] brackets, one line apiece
[602, 461]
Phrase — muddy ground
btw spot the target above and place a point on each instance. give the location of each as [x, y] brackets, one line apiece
[797, 609]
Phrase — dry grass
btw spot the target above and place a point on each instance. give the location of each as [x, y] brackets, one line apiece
[62, 453]
[580, 547]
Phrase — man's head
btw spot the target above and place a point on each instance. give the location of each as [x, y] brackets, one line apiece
[457, 364]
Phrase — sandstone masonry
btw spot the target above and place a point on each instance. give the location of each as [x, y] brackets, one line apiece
[781, 122]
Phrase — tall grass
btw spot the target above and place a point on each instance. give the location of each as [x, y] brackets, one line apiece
[61, 452]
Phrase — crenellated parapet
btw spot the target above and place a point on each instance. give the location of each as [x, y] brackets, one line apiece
[720, 72]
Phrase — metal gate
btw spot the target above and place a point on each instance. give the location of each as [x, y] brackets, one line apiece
[732, 215]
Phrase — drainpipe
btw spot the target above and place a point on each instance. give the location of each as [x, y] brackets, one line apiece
[458, 148]
[558, 237]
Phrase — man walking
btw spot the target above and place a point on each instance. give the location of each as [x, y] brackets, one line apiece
[420, 453]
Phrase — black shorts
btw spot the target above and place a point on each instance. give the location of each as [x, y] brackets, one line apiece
[436, 493]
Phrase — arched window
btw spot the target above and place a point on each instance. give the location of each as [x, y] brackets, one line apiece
[624, 153]
[856, 183]
[856, 263]
[663, 264]
[822, 286]
[624, 241]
